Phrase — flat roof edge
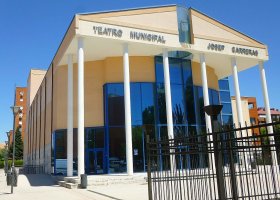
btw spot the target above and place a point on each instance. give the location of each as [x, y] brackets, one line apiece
[129, 9]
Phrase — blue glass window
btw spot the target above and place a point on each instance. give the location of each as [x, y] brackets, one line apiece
[225, 96]
[135, 98]
[226, 108]
[227, 119]
[187, 72]
[148, 105]
[161, 106]
[175, 71]
[190, 105]
[214, 97]
[178, 108]
[117, 150]
[159, 70]
[138, 149]
[115, 101]
[223, 84]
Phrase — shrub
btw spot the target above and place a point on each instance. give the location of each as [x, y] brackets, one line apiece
[18, 163]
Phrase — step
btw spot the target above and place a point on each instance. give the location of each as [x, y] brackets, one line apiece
[71, 185]
[62, 183]
[73, 179]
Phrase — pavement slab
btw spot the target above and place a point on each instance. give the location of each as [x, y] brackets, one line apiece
[43, 187]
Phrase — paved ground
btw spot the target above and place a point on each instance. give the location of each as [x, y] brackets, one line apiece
[42, 187]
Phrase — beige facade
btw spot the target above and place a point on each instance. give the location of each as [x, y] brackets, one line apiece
[103, 63]
[245, 111]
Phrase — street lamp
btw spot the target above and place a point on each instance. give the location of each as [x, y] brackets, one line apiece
[8, 136]
[6, 157]
[15, 110]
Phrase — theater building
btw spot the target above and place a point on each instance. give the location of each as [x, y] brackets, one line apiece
[120, 75]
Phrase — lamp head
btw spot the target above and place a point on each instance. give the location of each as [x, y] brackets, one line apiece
[15, 109]
[8, 133]
[213, 110]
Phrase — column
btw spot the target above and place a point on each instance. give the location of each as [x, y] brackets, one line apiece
[70, 118]
[237, 93]
[127, 107]
[81, 132]
[265, 94]
[267, 113]
[242, 155]
[168, 103]
[167, 89]
[205, 91]
[207, 117]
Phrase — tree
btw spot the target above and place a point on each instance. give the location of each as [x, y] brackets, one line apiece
[18, 146]
[2, 154]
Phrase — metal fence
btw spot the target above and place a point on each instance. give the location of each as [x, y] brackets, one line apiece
[32, 169]
[239, 163]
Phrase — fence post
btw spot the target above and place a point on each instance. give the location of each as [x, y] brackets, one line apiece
[149, 166]
[232, 168]
[218, 162]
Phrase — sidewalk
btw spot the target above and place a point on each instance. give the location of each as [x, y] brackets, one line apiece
[42, 187]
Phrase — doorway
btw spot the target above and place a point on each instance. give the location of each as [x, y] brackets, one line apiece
[95, 160]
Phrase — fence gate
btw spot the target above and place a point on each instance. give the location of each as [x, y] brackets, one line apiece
[239, 163]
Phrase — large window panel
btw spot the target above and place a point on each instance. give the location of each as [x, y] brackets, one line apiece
[117, 150]
[227, 108]
[225, 96]
[159, 70]
[137, 143]
[227, 119]
[187, 72]
[148, 105]
[161, 105]
[135, 98]
[175, 71]
[223, 84]
[178, 107]
[190, 105]
[199, 105]
[215, 97]
[115, 104]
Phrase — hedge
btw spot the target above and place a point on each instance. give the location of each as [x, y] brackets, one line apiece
[18, 163]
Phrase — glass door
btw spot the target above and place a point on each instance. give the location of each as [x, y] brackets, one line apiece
[95, 161]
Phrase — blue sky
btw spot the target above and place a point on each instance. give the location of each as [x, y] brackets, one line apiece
[31, 31]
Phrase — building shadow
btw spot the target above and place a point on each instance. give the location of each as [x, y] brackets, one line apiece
[37, 180]
[104, 195]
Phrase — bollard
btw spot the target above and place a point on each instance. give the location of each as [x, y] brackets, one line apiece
[15, 178]
[9, 178]
[83, 181]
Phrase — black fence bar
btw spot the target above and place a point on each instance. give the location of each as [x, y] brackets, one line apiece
[240, 163]
[32, 169]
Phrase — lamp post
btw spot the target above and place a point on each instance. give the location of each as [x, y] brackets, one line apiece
[213, 111]
[8, 136]
[15, 110]
[6, 157]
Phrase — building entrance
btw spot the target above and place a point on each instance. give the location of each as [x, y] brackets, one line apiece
[95, 161]
[95, 151]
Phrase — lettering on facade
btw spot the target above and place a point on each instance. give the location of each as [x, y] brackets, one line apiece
[215, 47]
[107, 31]
[245, 51]
[147, 37]
[134, 35]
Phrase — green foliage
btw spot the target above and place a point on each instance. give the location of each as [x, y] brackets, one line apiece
[18, 146]
[277, 129]
[2, 154]
[18, 163]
